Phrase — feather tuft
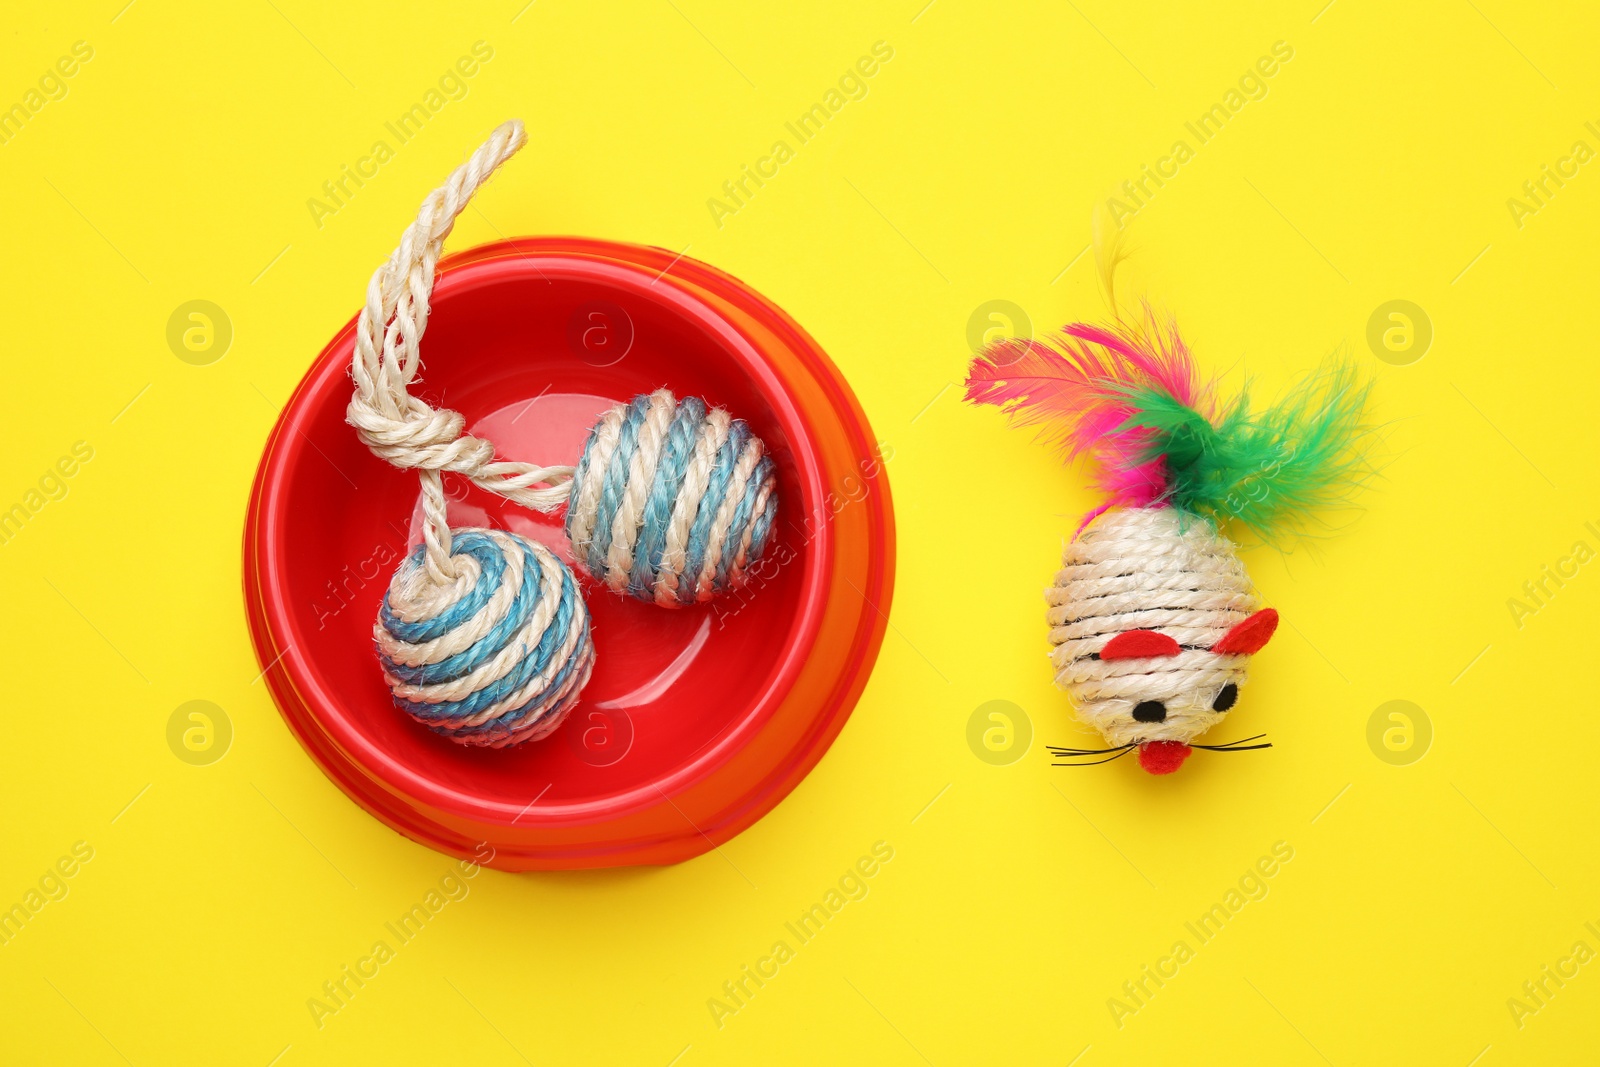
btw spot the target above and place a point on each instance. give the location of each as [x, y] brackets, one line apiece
[1129, 399]
[1080, 388]
[1269, 470]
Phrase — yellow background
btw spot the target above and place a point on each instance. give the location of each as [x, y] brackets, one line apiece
[1021, 897]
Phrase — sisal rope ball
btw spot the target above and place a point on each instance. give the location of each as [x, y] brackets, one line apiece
[495, 656]
[671, 501]
[483, 636]
[1152, 568]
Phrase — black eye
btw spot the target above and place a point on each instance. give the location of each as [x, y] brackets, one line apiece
[1149, 711]
[1227, 698]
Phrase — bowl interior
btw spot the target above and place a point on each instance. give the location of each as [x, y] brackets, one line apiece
[531, 358]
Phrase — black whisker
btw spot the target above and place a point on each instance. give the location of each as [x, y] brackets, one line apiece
[1230, 744]
[1236, 746]
[1057, 750]
[1095, 763]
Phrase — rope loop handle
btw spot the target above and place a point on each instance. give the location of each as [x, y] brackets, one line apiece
[397, 426]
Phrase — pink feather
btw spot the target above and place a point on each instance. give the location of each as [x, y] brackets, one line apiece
[1071, 386]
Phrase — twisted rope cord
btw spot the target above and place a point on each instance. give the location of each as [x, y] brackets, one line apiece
[408, 432]
[1147, 569]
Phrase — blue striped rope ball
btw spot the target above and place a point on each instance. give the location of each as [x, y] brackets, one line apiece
[496, 657]
[672, 501]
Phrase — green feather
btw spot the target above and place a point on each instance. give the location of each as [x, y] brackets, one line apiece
[1269, 470]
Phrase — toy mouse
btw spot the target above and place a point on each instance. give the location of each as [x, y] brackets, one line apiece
[1152, 615]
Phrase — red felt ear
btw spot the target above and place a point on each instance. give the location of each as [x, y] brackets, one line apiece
[1138, 644]
[1249, 636]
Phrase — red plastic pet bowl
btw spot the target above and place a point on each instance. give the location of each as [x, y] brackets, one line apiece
[697, 721]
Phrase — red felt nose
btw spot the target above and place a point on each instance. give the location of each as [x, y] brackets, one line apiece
[1162, 757]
